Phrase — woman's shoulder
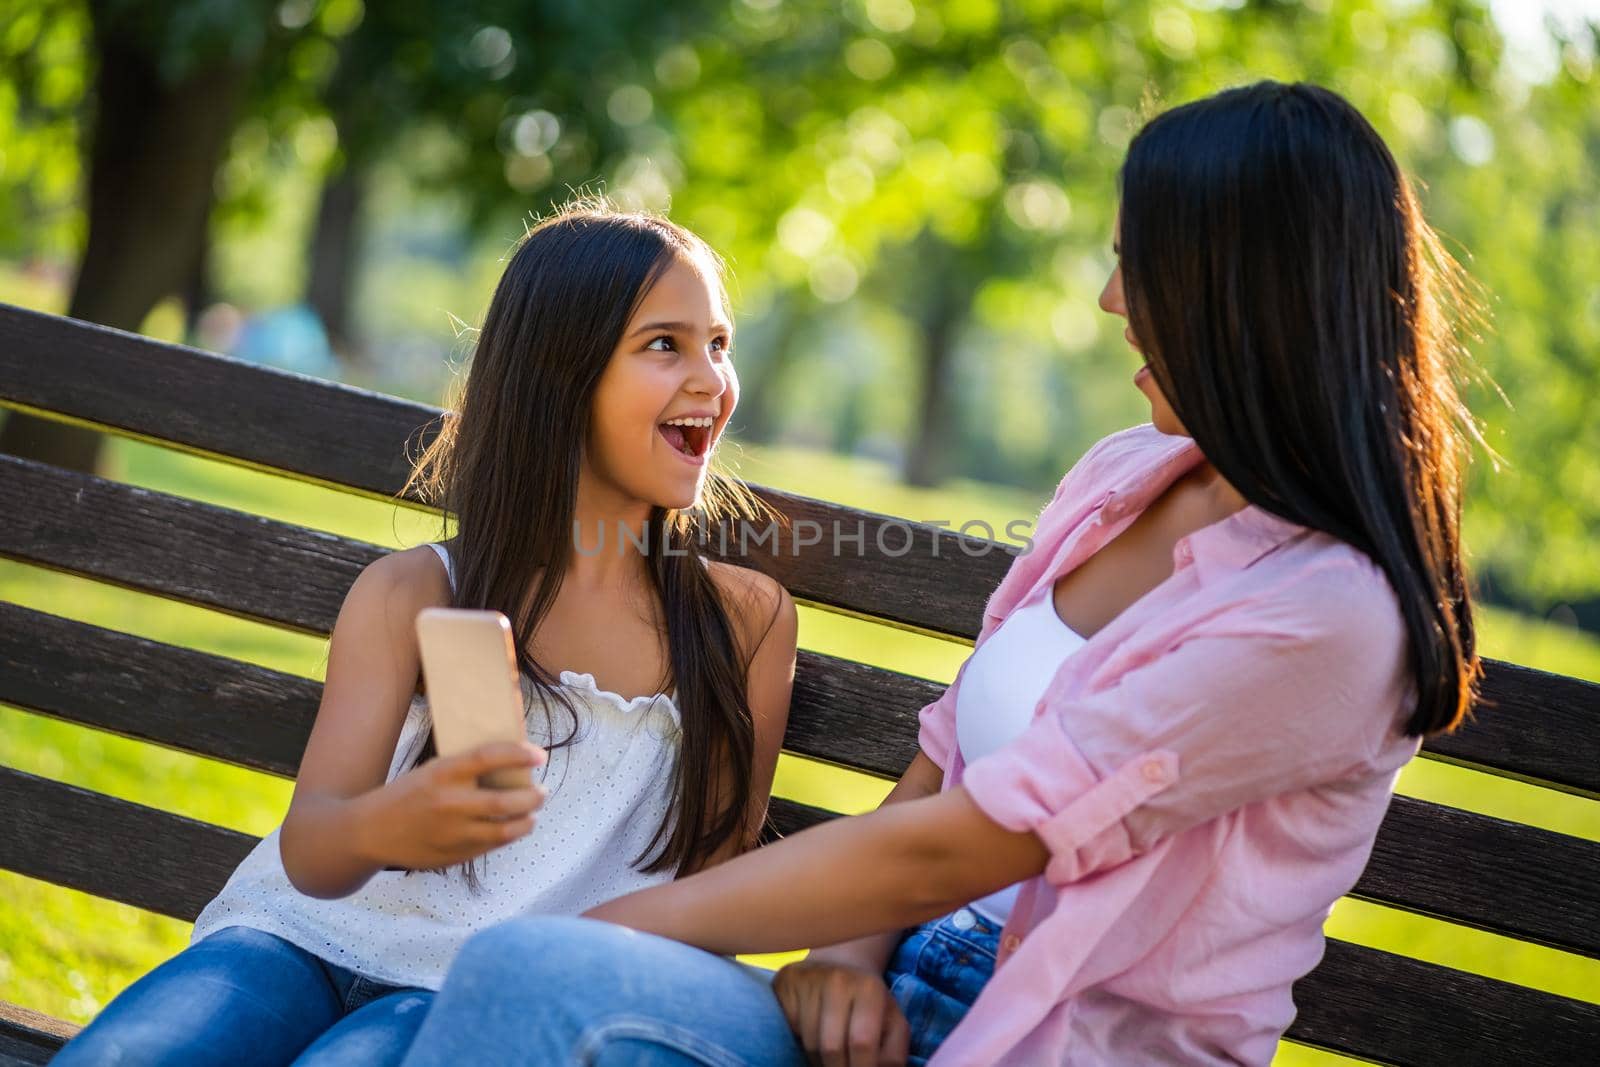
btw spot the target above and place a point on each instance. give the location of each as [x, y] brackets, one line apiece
[1134, 449]
[1119, 454]
[1318, 587]
[755, 602]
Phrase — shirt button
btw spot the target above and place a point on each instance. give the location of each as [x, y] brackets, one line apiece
[963, 919]
[1010, 942]
[1185, 553]
[1154, 772]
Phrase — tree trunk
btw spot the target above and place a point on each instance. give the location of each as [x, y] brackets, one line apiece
[196, 292]
[935, 420]
[363, 133]
[154, 148]
[335, 248]
[761, 400]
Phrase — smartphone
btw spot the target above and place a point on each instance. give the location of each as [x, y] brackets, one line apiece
[469, 667]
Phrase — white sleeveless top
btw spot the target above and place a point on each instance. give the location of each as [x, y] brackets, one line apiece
[1002, 684]
[610, 788]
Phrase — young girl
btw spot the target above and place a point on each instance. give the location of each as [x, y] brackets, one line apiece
[1171, 749]
[657, 681]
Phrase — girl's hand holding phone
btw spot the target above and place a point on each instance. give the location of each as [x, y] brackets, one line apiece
[440, 813]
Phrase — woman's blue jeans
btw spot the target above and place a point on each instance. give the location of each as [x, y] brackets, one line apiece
[244, 998]
[937, 972]
[548, 990]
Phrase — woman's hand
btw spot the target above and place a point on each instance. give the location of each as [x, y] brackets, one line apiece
[844, 1015]
[439, 814]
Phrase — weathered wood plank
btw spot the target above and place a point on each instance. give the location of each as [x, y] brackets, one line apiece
[859, 716]
[1491, 873]
[1359, 1001]
[1504, 876]
[1393, 1009]
[911, 574]
[1538, 727]
[177, 697]
[1532, 725]
[30, 1037]
[128, 384]
[181, 549]
[87, 841]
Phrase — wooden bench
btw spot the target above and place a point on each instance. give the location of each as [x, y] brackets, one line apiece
[1516, 880]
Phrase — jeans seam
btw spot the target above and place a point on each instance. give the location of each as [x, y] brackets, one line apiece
[364, 991]
[593, 1040]
[963, 939]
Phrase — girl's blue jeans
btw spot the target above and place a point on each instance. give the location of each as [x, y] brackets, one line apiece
[550, 990]
[244, 998]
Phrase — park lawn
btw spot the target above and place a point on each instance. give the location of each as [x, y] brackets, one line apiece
[67, 953]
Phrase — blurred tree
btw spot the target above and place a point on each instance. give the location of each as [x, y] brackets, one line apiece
[167, 83]
[916, 198]
[536, 96]
[956, 161]
[42, 76]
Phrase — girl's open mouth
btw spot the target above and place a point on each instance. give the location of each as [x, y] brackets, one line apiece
[692, 442]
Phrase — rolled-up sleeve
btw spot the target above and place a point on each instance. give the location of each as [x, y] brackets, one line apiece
[1299, 689]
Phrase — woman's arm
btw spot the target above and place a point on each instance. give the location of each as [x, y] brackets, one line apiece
[922, 778]
[835, 999]
[899, 866]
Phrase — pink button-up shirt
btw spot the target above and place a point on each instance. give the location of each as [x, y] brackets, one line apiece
[1208, 773]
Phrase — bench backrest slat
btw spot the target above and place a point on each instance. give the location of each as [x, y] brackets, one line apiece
[1359, 1000]
[1522, 881]
[1471, 869]
[909, 574]
[1541, 728]
[845, 712]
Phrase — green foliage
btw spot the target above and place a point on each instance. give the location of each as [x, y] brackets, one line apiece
[42, 76]
[961, 157]
[881, 175]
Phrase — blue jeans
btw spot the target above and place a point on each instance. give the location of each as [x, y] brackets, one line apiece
[244, 998]
[549, 990]
[936, 973]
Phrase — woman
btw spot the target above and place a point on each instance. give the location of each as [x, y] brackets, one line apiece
[1172, 747]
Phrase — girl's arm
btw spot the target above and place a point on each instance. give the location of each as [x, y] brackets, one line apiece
[344, 824]
[901, 865]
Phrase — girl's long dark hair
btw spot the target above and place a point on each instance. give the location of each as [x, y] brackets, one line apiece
[505, 465]
[1300, 317]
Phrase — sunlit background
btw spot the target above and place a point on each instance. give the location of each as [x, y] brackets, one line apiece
[915, 200]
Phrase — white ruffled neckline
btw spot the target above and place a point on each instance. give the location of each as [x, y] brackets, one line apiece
[586, 682]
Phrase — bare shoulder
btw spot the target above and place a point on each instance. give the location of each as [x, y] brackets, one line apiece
[757, 603]
[401, 584]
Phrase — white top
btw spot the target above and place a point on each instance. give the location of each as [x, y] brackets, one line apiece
[1000, 689]
[610, 788]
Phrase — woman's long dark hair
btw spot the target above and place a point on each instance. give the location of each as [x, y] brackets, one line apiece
[505, 465]
[1300, 317]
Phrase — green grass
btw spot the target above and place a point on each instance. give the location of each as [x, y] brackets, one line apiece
[67, 953]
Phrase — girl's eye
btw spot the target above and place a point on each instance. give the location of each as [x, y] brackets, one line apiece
[661, 344]
[722, 346]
